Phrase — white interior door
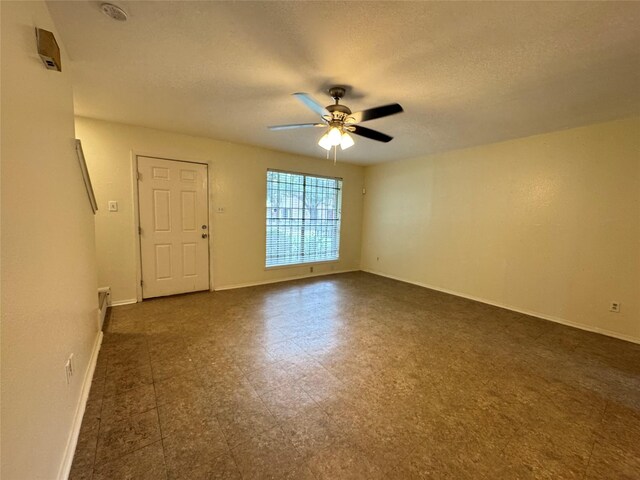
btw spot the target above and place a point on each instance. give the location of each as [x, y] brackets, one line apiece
[174, 226]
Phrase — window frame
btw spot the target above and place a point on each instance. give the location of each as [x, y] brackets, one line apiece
[339, 209]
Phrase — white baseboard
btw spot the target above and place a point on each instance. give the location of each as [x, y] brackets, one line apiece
[278, 280]
[543, 316]
[128, 301]
[72, 442]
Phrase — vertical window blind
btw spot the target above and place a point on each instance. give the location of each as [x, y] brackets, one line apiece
[303, 218]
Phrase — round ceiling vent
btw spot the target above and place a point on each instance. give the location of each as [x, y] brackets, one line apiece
[114, 12]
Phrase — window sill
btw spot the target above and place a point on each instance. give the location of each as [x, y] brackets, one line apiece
[298, 265]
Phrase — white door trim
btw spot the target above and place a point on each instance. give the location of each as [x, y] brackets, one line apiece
[136, 213]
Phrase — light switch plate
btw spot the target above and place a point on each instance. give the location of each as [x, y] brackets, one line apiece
[113, 206]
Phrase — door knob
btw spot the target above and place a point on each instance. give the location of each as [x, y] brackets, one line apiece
[204, 227]
[204, 235]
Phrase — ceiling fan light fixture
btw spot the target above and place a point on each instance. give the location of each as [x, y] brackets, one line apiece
[340, 122]
[324, 142]
[346, 141]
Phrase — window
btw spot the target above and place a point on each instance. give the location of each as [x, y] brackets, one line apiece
[303, 218]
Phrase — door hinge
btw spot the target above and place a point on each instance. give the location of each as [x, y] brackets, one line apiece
[139, 230]
[138, 176]
[141, 282]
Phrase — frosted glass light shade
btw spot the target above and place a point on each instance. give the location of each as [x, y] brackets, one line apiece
[346, 141]
[335, 136]
[324, 142]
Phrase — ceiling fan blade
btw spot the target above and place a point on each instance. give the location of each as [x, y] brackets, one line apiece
[296, 125]
[376, 112]
[312, 104]
[368, 133]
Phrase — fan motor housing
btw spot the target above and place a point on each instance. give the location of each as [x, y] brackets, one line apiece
[339, 112]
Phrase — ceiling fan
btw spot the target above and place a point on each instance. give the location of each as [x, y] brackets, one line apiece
[340, 121]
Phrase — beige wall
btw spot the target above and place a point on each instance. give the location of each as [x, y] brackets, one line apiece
[49, 297]
[238, 184]
[548, 224]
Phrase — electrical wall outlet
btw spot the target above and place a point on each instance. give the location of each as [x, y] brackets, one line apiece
[614, 307]
[311, 269]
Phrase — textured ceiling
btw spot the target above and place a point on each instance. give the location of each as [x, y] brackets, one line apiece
[465, 73]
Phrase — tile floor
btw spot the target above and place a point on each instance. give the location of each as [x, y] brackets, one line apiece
[355, 376]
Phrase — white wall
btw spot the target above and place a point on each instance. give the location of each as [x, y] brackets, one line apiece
[238, 183]
[548, 224]
[49, 297]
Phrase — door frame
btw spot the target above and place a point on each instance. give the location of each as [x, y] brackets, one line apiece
[136, 214]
